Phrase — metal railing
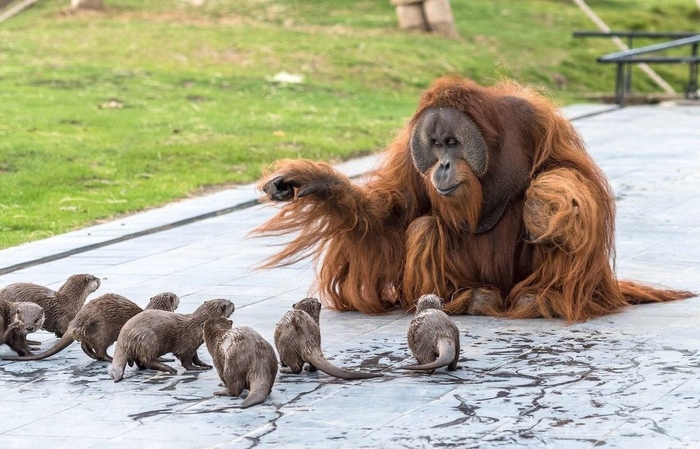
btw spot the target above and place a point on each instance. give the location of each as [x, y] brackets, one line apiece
[624, 59]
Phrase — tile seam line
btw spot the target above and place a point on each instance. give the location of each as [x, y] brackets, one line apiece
[596, 113]
[168, 226]
[130, 236]
[634, 414]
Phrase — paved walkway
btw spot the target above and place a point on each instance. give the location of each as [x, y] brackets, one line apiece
[631, 380]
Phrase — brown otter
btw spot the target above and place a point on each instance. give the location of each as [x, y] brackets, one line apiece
[61, 306]
[242, 358]
[152, 333]
[432, 336]
[298, 340]
[17, 319]
[97, 324]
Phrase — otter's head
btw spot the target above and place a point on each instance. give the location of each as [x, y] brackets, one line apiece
[312, 306]
[167, 301]
[30, 316]
[428, 301]
[215, 308]
[81, 284]
[216, 326]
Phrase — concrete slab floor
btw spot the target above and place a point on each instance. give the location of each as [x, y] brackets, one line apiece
[629, 380]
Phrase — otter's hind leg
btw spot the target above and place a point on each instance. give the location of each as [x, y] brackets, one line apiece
[102, 355]
[158, 366]
[292, 366]
[88, 350]
[190, 364]
[310, 367]
[197, 361]
[234, 388]
[453, 365]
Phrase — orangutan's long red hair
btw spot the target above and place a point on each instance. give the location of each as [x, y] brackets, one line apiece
[394, 238]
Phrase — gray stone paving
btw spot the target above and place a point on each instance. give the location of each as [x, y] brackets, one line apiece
[630, 380]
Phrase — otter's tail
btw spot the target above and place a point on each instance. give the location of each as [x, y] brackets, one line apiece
[446, 355]
[118, 363]
[317, 359]
[60, 345]
[259, 391]
[635, 293]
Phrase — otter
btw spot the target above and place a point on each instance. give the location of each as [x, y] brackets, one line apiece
[97, 324]
[432, 336]
[152, 333]
[61, 306]
[298, 340]
[242, 358]
[17, 319]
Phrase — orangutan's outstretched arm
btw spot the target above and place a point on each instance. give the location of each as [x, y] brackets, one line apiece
[322, 205]
[297, 178]
[357, 230]
[317, 190]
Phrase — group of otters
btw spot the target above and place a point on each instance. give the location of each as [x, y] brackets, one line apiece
[243, 359]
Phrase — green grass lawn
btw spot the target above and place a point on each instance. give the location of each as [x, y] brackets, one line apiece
[111, 112]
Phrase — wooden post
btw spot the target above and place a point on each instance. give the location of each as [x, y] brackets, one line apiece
[426, 15]
[438, 13]
[86, 4]
[410, 14]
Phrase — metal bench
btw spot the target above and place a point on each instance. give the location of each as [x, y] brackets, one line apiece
[624, 59]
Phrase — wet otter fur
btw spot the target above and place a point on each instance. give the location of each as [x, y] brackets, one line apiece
[432, 336]
[61, 306]
[17, 319]
[242, 358]
[153, 333]
[298, 340]
[97, 324]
